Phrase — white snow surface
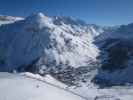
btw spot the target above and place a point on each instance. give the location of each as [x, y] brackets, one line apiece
[90, 91]
[16, 87]
[27, 86]
[47, 78]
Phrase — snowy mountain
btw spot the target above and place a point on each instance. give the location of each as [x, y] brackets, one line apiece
[66, 48]
[68, 53]
[39, 38]
[116, 55]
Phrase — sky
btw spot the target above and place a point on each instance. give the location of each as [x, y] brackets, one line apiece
[101, 12]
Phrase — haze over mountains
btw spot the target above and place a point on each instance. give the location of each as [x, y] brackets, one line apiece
[71, 51]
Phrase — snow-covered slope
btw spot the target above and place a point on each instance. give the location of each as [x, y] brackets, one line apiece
[116, 56]
[29, 87]
[89, 91]
[49, 41]
[16, 87]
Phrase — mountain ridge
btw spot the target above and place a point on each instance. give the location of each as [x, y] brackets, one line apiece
[65, 41]
[61, 45]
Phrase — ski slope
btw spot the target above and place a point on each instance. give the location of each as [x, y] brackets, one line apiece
[17, 87]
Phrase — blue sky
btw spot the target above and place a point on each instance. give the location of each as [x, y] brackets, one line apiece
[102, 12]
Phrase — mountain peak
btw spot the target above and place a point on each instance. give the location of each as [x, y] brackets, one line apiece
[40, 14]
[38, 20]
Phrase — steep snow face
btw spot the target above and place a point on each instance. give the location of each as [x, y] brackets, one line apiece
[51, 40]
[116, 56]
